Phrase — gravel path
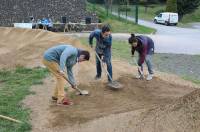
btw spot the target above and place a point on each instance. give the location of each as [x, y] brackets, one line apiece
[183, 65]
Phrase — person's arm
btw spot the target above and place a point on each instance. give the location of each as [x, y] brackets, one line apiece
[92, 35]
[132, 51]
[142, 55]
[71, 76]
[65, 55]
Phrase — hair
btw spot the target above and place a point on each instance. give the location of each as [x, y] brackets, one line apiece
[86, 54]
[105, 28]
[132, 39]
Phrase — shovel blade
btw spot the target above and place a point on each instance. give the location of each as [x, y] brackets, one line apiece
[83, 92]
[115, 85]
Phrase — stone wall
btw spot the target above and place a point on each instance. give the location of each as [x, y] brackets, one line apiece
[16, 11]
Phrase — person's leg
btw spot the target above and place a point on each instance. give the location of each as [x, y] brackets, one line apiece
[148, 61]
[149, 64]
[59, 89]
[98, 66]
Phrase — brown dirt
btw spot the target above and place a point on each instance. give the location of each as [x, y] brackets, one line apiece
[159, 105]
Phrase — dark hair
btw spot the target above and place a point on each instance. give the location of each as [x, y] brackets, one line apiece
[105, 28]
[132, 39]
[86, 54]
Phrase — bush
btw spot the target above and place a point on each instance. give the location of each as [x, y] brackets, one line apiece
[187, 6]
[159, 11]
[171, 6]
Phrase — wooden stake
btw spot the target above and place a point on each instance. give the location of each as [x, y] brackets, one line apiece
[10, 119]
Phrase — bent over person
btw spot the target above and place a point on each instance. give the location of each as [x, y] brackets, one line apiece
[59, 59]
[144, 45]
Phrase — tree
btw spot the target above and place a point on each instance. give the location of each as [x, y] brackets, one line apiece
[171, 6]
[187, 6]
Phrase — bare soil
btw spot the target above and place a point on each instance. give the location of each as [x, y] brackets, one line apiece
[165, 104]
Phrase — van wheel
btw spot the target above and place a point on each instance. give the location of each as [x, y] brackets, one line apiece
[167, 23]
[175, 24]
[155, 21]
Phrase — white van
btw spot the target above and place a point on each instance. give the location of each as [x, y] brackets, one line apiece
[167, 18]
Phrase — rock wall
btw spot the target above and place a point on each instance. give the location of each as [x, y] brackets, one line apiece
[16, 11]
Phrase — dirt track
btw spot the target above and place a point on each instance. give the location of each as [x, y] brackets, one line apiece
[133, 108]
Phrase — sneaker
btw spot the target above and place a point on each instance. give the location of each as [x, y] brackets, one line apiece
[97, 77]
[149, 77]
[65, 102]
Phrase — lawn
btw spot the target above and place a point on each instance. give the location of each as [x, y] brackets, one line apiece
[14, 86]
[118, 25]
[144, 13]
[193, 17]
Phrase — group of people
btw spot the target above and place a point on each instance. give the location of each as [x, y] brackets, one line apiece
[61, 58]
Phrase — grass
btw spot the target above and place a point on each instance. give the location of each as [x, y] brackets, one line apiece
[192, 17]
[192, 79]
[149, 14]
[118, 25]
[15, 85]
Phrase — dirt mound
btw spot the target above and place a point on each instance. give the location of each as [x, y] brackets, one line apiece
[25, 47]
[183, 115]
[139, 106]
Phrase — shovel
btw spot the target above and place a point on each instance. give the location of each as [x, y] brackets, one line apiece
[112, 84]
[81, 92]
[139, 69]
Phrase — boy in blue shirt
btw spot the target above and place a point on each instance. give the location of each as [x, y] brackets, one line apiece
[103, 49]
[59, 58]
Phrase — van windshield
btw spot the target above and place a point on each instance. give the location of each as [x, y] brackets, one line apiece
[160, 15]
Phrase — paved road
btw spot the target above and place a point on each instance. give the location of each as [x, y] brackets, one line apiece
[171, 39]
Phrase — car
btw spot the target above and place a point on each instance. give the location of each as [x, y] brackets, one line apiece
[167, 18]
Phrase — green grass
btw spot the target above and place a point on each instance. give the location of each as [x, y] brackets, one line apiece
[118, 25]
[14, 86]
[192, 79]
[192, 17]
[149, 14]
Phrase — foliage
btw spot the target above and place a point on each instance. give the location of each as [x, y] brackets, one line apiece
[187, 6]
[171, 6]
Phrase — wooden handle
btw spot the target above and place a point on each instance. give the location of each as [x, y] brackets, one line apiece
[10, 119]
[103, 66]
[71, 84]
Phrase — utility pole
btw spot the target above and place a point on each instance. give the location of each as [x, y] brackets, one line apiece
[106, 2]
[136, 12]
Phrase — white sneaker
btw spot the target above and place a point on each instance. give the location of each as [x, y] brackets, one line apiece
[149, 77]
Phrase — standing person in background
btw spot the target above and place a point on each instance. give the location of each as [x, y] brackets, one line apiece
[144, 45]
[103, 49]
